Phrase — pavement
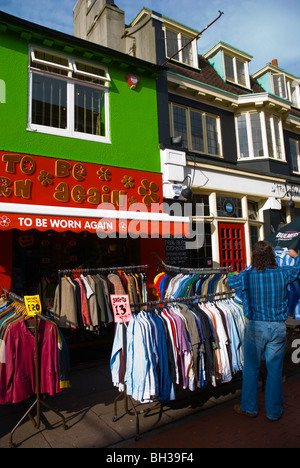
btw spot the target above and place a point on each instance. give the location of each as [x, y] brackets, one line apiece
[200, 419]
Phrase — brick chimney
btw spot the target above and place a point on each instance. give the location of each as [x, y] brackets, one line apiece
[275, 63]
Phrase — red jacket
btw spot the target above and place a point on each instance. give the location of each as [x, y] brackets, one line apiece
[17, 374]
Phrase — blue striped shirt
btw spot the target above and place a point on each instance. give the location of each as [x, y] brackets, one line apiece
[265, 292]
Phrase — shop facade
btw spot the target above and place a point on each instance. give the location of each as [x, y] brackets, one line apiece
[232, 137]
[79, 157]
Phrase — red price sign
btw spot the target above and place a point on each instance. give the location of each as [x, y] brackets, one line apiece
[121, 308]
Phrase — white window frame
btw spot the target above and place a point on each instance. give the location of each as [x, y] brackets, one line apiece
[263, 127]
[70, 69]
[234, 62]
[180, 45]
[297, 142]
[188, 110]
[283, 91]
[288, 82]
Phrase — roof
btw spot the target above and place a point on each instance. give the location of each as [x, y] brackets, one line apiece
[208, 75]
[33, 31]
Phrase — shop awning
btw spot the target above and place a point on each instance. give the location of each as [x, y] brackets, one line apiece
[104, 223]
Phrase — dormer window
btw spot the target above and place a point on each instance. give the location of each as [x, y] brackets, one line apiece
[230, 63]
[175, 41]
[286, 88]
[275, 81]
[235, 70]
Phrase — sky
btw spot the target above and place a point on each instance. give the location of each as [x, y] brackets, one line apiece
[265, 29]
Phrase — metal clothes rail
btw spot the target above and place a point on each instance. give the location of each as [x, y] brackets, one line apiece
[153, 304]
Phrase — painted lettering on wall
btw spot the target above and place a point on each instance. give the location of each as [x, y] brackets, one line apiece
[43, 180]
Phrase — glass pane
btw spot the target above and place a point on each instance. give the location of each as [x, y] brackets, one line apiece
[229, 67]
[180, 126]
[187, 53]
[294, 155]
[53, 59]
[240, 68]
[89, 110]
[172, 44]
[277, 138]
[92, 70]
[269, 136]
[243, 137]
[212, 135]
[279, 85]
[256, 135]
[49, 101]
[197, 131]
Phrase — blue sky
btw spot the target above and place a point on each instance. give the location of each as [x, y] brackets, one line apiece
[265, 29]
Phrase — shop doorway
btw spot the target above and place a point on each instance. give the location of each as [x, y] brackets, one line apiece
[232, 246]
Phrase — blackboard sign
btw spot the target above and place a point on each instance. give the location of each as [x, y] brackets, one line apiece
[176, 253]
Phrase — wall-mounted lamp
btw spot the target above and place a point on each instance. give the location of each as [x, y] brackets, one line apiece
[177, 140]
[187, 192]
[290, 203]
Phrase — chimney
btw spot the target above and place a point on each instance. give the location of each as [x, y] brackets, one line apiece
[275, 63]
[99, 21]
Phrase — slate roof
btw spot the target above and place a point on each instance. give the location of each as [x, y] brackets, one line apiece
[208, 75]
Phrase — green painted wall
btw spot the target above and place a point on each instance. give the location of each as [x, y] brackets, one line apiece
[218, 63]
[133, 113]
[266, 82]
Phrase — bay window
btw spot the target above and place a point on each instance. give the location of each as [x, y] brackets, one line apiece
[67, 96]
[259, 135]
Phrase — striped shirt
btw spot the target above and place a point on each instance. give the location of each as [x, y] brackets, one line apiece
[265, 292]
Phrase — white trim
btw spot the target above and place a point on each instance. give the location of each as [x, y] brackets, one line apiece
[47, 210]
[69, 131]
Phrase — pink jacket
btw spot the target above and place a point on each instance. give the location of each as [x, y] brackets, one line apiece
[17, 375]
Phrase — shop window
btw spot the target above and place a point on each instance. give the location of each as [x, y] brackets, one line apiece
[253, 210]
[259, 135]
[200, 131]
[68, 97]
[228, 207]
[204, 201]
[254, 236]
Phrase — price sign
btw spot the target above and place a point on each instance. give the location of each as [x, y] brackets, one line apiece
[33, 305]
[121, 308]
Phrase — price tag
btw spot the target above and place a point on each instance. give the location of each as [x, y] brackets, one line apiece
[121, 308]
[33, 305]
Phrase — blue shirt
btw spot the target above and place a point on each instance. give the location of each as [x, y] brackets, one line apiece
[265, 292]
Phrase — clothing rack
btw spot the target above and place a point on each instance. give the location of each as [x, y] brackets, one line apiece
[127, 398]
[38, 401]
[203, 298]
[101, 270]
[179, 269]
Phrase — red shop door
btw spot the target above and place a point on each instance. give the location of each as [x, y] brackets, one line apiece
[232, 246]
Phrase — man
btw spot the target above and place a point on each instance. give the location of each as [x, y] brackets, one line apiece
[264, 291]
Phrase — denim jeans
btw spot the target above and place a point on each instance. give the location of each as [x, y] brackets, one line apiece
[264, 340]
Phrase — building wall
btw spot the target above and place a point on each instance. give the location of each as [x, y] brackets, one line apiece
[134, 134]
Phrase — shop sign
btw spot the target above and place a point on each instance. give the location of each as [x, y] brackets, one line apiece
[33, 305]
[121, 308]
[42, 180]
